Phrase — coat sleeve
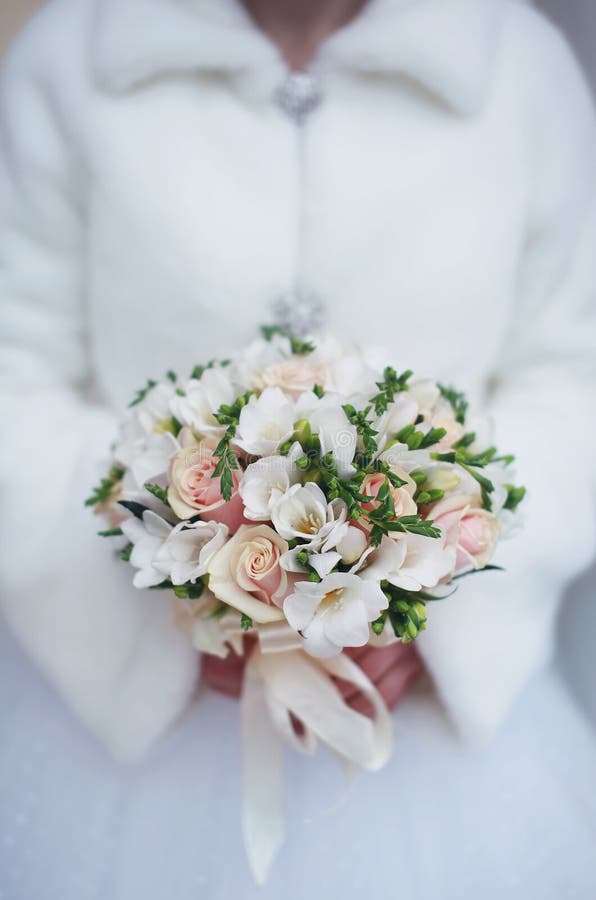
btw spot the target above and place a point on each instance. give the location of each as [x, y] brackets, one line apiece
[111, 651]
[499, 629]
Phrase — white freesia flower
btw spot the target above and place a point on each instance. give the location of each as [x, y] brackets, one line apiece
[148, 419]
[322, 563]
[162, 551]
[403, 411]
[151, 462]
[352, 545]
[147, 537]
[303, 513]
[187, 550]
[334, 613]
[265, 479]
[201, 399]
[328, 420]
[266, 423]
[410, 561]
[400, 457]
[350, 374]
[426, 393]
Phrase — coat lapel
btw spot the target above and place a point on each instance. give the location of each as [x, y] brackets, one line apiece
[447, 46]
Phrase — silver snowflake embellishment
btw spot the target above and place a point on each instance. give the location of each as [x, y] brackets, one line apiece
[299, 314]
[299, 95]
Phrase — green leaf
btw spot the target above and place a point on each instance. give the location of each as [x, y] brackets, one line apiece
[298, 346]
[379, 624]
[245, 622]
[457, 400]
[515, 495]
[391, 385]
[158, 492]
[432, 437]
[106, 487]
[111, 532]
[137, 509]
[142, 393]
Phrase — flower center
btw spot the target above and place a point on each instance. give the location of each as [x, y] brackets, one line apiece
[310, 524]
[333, 599]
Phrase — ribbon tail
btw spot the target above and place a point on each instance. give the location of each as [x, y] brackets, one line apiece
[263, 758]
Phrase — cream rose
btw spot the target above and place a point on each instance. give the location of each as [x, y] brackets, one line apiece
[246, 573]
[293, 376]
[195, 490]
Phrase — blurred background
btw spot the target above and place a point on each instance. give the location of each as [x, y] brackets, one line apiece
[578, 616]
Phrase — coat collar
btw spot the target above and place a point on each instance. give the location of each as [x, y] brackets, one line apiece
[446, 46]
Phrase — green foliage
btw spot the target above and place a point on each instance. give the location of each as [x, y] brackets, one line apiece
[106, 487]
[142, 393]
[458, 402]
[406, 613]
[158, 492]
[189, 591]
[391, 385]
[298, 346]
[418, 440]
[228, 415]
[366, 433]
[515, 495]
[245, 622]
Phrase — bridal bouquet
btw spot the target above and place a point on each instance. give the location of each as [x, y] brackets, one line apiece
[303, 496]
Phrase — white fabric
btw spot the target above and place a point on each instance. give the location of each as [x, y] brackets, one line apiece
[514, 821]
[149, 217]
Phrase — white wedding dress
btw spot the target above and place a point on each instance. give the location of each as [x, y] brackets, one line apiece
[516, 820]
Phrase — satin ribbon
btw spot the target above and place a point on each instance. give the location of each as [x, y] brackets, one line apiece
[282, 681]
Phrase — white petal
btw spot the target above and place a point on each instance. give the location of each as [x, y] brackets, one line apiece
[323, 563]
[300, 607]
[347, 626]
[317, 643]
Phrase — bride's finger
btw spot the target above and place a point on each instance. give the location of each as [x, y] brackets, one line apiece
[375, 661]
[224, 675]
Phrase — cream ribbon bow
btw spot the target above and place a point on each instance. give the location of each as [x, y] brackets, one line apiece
[281, 680]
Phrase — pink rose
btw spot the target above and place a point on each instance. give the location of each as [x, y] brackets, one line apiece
[467, 526]
[247, 574]
[403, 497]
[195, 490]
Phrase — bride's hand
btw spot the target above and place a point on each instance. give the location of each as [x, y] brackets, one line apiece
[392, 670]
